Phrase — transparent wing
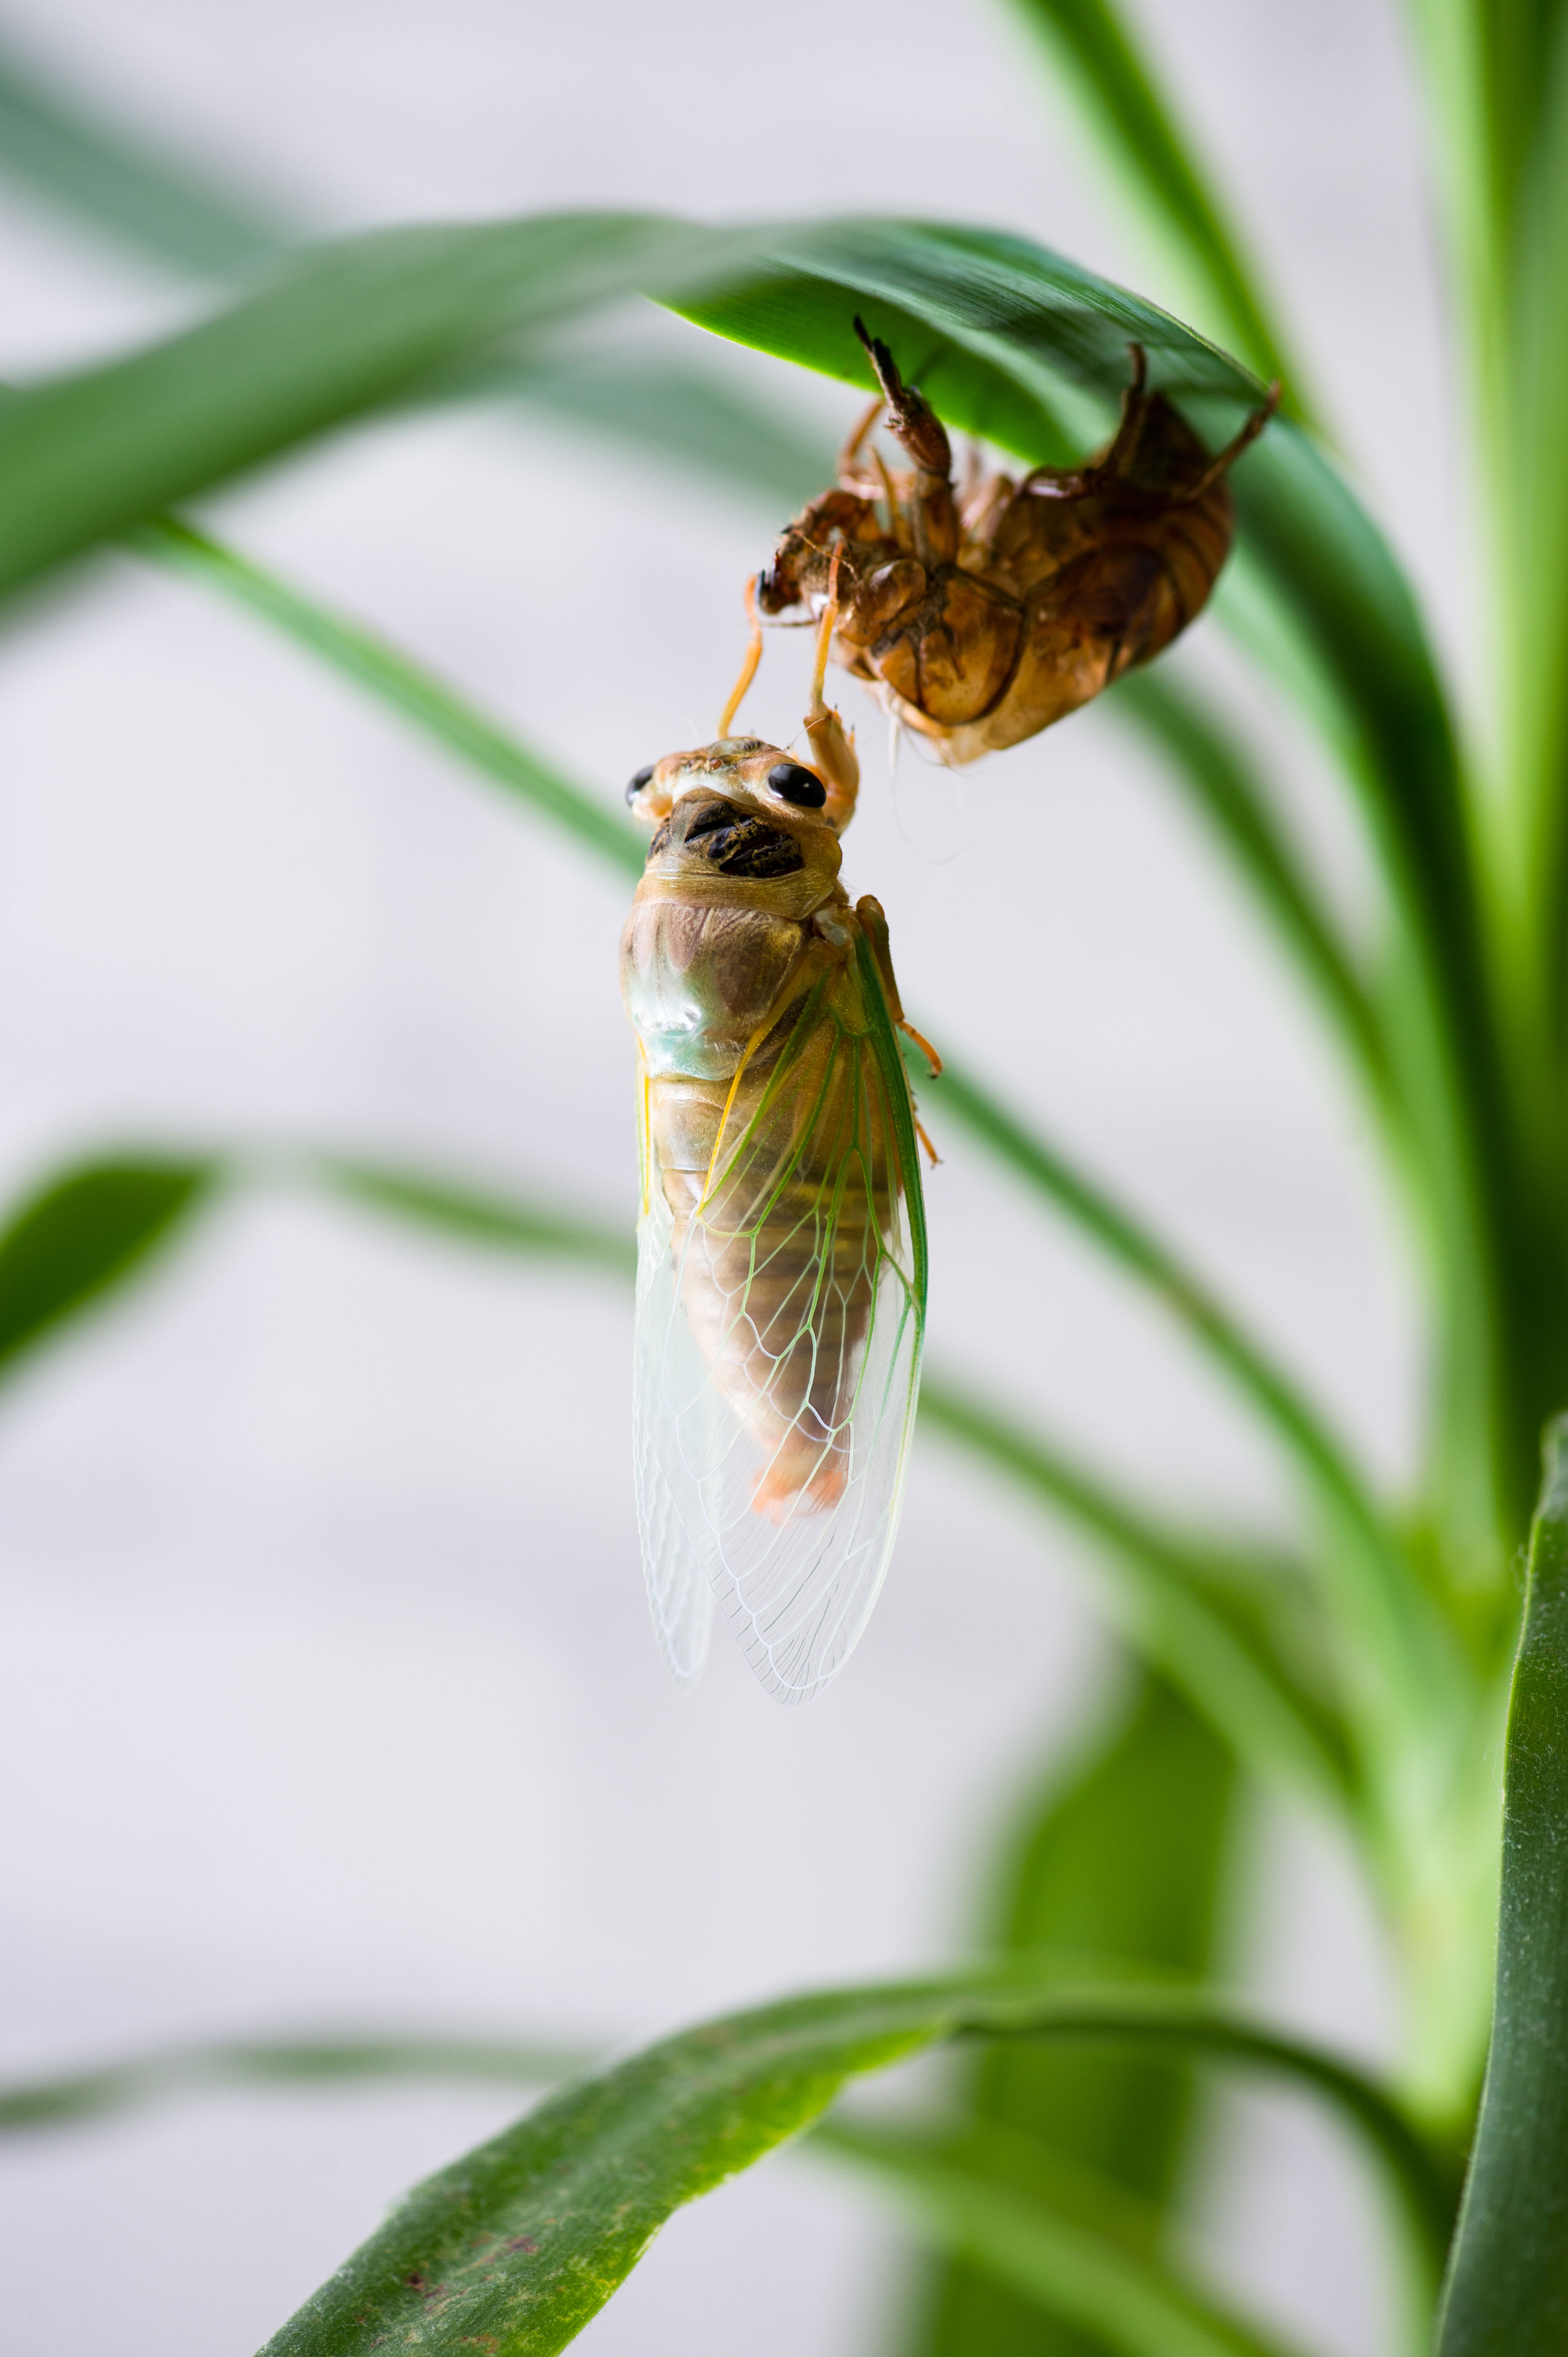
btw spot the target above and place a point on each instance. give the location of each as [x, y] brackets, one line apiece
[782, 1311]
[670, 1392]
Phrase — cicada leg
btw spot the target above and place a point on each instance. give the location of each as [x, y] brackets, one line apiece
[933, 510]
[748, 668]
[852, 473]
[832, 745]
[1234, 448]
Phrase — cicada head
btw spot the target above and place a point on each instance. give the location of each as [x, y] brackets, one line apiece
[740, 808]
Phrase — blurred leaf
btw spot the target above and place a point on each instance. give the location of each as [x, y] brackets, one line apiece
[520, 2243]
[686, 415]
[1055, 2248]
[398, 680]
[392, 676]
[1119, 96]
[477, 1215]
[332, 2059]
[1384, 1616]
[352, 327]
[84, 1233]
[1531, 470]
[1508, 2289]
[1222, 1624]
[1220, 779]
[1123, 1861]
[123, 184]
[1183, 1604]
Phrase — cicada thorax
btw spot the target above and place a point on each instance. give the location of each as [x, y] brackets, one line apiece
[982, 622]
[738, 974]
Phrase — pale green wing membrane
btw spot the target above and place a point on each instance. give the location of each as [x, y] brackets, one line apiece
[778, 1334]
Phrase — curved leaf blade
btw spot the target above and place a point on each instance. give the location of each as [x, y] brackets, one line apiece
[351, 327]
[336, 2058]
[1075, 2268]
[398, 680]
[518, 2244]
[56, 145]
[1138, 130]
[1183, 1607]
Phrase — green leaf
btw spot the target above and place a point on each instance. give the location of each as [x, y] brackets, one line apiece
[687, 416]
[1136, 126]
[1214, 769]
[1121, 1861]
[520, 2243]
[352, 327]
[82, 1235]
[397, 679]
[122, 184]
[401, 682]
[1508, 2289]
[1217, 1623]
[334, 2060]
[1385, 1619]
[479, 1215]
[1055, 2248]
[1184, 1605]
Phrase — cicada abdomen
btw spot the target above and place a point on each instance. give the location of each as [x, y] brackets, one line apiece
[781, 1253]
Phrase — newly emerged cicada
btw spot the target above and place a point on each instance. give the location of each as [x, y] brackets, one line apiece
[781, 1252]
[981, 618]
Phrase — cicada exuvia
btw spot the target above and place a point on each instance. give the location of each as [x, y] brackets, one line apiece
[982, 617]
[781, 1251]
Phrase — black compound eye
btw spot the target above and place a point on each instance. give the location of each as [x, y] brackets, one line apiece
[638, 783]
[796, 785]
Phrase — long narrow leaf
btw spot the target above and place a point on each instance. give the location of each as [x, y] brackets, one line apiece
[1137, 128]
[1177, 1603]
[81, 1236]
[688, 416]
[1213, 767]
[124, 186]
[1199, 1612]
[398, 680]
[1508, 2290]
[518, 2244]
[353, 327]
[334, 2059]
[476, 1214]
[1071, 2267]
[1380, 1605]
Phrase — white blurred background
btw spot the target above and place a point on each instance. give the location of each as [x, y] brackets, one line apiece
[328, 1691]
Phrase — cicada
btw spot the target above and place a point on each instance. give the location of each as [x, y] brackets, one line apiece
[981, 618]
[781, 1251]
